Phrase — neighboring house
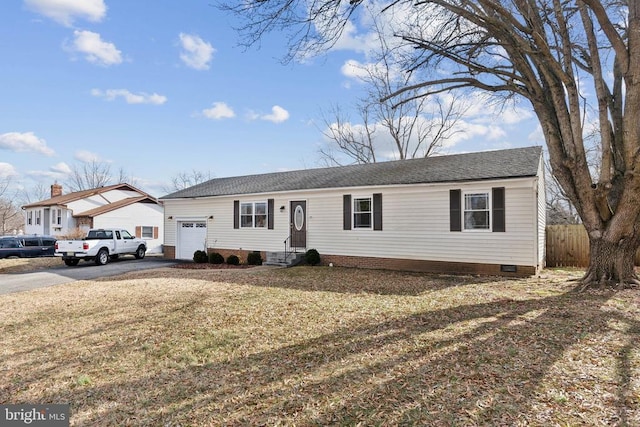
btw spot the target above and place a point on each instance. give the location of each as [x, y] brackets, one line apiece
[473, 213]
[120, 205]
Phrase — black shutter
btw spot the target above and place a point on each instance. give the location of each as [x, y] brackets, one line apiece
[270, 214]
[455, 212]
[498, 209]
[346, 212]
[377, 211]
[236, 214]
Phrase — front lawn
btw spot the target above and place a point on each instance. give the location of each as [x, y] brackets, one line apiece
[324, 346]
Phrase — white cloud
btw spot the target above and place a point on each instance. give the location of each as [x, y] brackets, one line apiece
[129, 97]
[61, 168]
[196, 53]
[66, 11]
[86, 156]
[7, 170]
[95, 49]
[278, 115]
[26, 141]
[537, 136]
[350, 39]
[220, 110]
[353, 69]
[58, 171]
[363, 72]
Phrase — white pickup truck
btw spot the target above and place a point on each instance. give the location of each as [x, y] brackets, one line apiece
[100, 245]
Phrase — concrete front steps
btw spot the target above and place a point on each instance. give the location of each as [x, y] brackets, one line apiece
[284, 260]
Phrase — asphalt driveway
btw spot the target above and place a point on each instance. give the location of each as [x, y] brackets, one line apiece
[18, 282]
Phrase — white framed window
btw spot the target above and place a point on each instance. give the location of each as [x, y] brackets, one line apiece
[147, 232]
[362, 212]
[56, 216]
[30, 217]
[477, 210]
[246, 215]
[38, 217]
[253, 215]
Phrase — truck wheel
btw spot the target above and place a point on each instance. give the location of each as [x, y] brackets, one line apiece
[71, 262]
[140, 252]
[103, 257]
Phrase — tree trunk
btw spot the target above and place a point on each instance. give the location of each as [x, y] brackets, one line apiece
[611, 262]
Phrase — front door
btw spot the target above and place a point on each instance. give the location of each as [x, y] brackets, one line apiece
[298, 221]
[46, 221]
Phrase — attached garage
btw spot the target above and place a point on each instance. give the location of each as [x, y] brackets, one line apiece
[192, 236]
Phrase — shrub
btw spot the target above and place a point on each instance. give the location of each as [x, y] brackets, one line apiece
[75, 234]
[215, 258]
[200, 257]
[312, 257]
[254, 258]
[233, 260]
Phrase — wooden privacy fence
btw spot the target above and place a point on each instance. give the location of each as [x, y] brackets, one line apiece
[568, 246]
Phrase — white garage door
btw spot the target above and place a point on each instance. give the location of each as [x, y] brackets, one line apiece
[192, 236]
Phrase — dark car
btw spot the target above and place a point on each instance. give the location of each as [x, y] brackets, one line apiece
[11, 247]
[27, 246]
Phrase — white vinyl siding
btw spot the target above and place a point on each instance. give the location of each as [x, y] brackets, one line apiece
[416, 224]
[129, 217]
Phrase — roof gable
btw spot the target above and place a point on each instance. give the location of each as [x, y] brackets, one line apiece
[64, 199]
[116, 205]
[500, 164]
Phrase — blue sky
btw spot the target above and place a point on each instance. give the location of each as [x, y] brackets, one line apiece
[161, 88]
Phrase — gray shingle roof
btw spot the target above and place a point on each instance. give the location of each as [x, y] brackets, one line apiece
[501, 164]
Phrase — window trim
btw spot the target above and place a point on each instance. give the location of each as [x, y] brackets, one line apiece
[355, 212]
[150, 227]
[489, 210]
[56, 216]
[254, 215]
[349, 212]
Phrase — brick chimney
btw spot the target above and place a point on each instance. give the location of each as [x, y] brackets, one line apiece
[56, 190]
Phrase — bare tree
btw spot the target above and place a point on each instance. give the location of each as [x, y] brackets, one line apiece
[186, 179]
[560, 210]
[353, 143]
[546, 51]
[94, 174]
[417, 127]
[10, 214]
[124, 176]
[36, 193]
[87, 175]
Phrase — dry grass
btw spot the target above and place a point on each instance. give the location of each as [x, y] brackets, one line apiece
[20, 265]
[324, 346]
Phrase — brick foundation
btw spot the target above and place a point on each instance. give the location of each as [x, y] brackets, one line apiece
[169, 252]
[442, 267]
